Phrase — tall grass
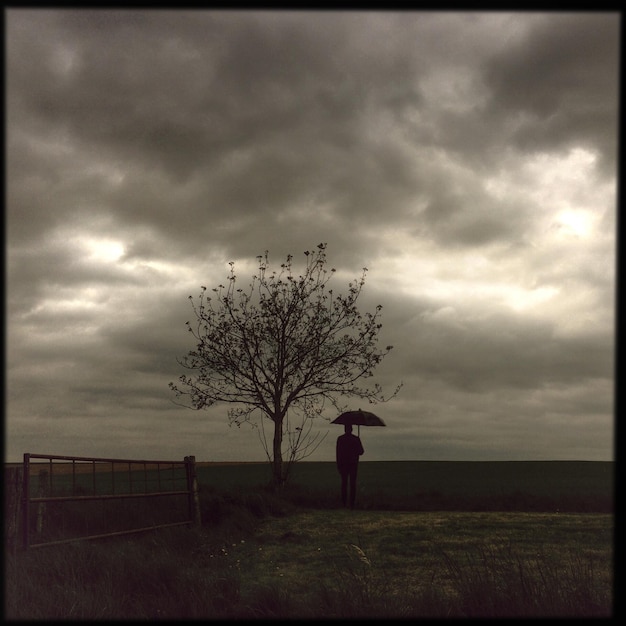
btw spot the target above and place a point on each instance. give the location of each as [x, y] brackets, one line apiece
[485, 584]
[491, 582]
[165, 575]
[169, 573]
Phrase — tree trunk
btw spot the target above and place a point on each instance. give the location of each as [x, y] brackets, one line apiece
[277, 460]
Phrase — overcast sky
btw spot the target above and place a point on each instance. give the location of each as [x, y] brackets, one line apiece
[468, 160]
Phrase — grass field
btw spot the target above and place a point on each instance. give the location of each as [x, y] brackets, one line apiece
[298, 555]
[400, 564]
[433, 485]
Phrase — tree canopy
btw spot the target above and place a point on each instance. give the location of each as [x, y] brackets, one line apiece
[285, 344]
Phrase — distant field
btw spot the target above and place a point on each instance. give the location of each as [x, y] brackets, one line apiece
[418, 485]
[411, 484]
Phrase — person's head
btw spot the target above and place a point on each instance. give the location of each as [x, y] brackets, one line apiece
[348, 428]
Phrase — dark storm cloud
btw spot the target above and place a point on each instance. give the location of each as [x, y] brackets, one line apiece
[556, 81]
[286, 113]
[466, 159]
[293, 107]
[499, 352]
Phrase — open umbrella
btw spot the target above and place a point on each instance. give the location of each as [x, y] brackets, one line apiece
[359, 418]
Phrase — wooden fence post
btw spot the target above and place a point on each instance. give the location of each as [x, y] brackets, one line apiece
[194, 494]
[13, 485]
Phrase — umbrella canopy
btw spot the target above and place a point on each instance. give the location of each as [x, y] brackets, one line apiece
[359, 418]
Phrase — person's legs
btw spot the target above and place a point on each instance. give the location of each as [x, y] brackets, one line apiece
[344, 487]
[353, 471]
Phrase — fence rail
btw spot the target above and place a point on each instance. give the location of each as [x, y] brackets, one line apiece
[48, 482]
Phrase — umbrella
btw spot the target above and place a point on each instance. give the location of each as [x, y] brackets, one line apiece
[359, 418]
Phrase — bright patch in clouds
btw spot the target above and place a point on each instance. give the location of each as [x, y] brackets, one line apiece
[103, 250]
[560, 184]
[577, 222]
[526, 299]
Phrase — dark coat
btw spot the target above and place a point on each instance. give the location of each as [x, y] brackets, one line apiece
[349, 449]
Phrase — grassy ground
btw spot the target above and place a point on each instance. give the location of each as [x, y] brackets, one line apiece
[260, 556]
[364, 564]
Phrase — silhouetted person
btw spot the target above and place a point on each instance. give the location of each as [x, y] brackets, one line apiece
[349, 449]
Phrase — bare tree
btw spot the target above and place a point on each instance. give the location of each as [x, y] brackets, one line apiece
[284, 345]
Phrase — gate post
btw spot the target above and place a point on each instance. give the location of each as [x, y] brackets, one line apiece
[14, 485]
[26, 500]
[194, 495]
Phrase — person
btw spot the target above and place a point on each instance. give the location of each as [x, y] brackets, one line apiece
[349, 449]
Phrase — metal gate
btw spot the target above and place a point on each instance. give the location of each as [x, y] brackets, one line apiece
[157, 489]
